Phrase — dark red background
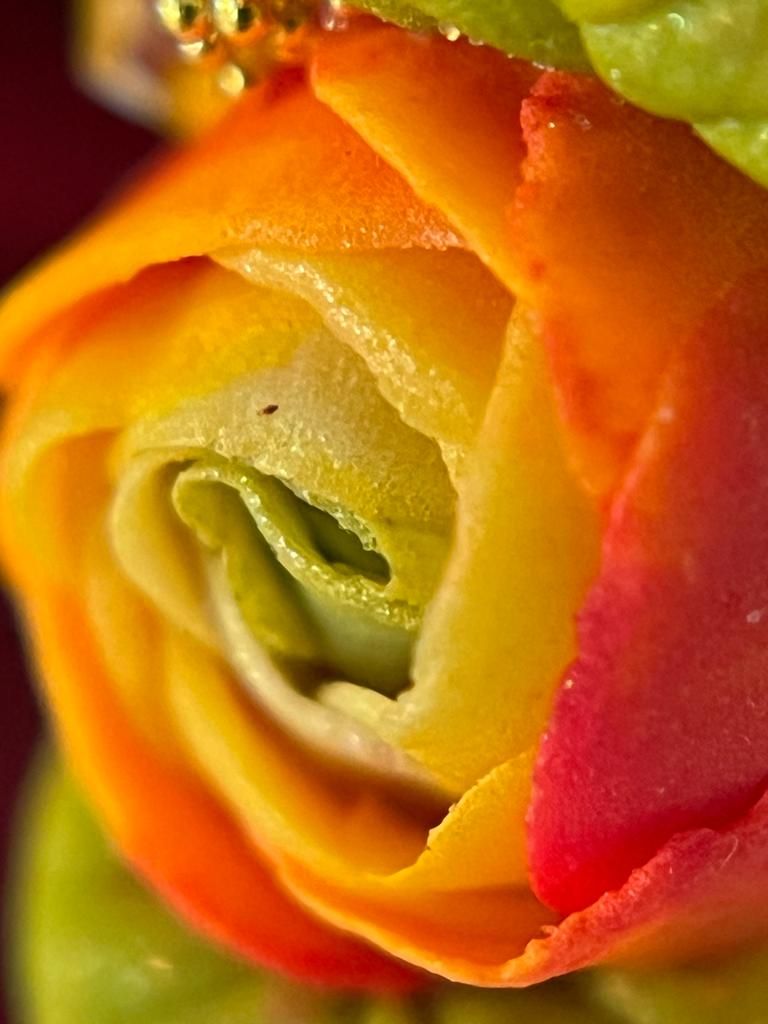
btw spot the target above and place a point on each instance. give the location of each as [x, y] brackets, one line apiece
[60, 154]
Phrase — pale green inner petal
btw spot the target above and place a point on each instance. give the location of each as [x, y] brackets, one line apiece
[431, 338]
[151, 550]
[308, 588]
[318, 422]
[261, 590]
[294, 523]
[499, 632]
[331, 734]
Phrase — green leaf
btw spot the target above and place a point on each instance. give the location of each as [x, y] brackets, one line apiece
[701, 61]
[533, 29]
[734, 991]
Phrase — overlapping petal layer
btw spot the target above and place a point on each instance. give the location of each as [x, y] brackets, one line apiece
[626, 228]
[323, 385]
[310, 183]
[671, 644]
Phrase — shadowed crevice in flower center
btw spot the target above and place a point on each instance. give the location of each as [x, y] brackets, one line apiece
[300, 547]
[308, 584]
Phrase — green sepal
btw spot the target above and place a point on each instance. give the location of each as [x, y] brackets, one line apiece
[700, 61]
[744, 143]
[93, 946]
[731, 991]
[532, 29]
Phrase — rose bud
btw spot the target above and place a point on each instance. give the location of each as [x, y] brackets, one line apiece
[384, 494]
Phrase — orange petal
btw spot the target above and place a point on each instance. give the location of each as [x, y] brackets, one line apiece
[695, 898]
[625, 227]
[280, 169]
[446, 115]
[661, 725]
[212, 877]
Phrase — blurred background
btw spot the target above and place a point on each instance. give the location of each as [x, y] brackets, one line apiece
[60, 156]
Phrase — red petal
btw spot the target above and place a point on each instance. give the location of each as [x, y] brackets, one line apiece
[661, 724]
[699, 896]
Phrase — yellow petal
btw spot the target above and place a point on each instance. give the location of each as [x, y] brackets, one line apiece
[500, 630]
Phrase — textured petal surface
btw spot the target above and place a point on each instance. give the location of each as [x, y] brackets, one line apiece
[440, 136]
[616, 235]
[470, 130]
[694, 899]
[625, 227]
[124, 955]
[660, 724]
[432, 338]
[311, 183]
[500, 625]
[119, 770]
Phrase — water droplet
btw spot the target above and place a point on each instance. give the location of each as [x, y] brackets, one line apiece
[333, 17]
[231, 79]
[677, 20]
[450, 31]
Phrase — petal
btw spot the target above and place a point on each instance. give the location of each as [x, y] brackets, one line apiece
[432, 338]
[207, 877]
[280, 169]
[660, 725]
[499, 631]
[193, 328]
[694, 899]
[625, 228]
[122, 955]
[446, 115]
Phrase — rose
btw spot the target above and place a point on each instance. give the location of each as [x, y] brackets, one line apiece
[269, 430]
